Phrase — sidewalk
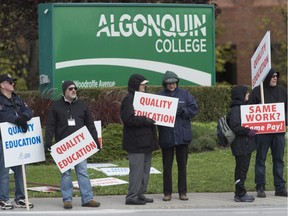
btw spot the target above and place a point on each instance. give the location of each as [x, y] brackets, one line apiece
[196, 200]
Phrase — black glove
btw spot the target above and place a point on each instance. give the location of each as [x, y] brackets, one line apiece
[22, 122]
[252, 133]
[149, 122]
[180, 111]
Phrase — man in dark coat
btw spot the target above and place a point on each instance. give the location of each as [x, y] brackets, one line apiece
[67, 115]
[178, 137]
[14, 110]
[139, 140]
[273, 93]
[243, 145]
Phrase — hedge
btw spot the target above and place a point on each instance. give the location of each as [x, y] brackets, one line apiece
[213, 102]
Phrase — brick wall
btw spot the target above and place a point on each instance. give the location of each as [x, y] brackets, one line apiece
[244, 25]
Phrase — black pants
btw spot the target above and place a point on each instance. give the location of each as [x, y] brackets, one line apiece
[167, 161]
[241, 169]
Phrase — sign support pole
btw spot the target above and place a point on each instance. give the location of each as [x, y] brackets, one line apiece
[262, 92]
[25, 187]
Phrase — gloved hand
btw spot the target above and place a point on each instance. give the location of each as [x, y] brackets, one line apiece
[180, 111]
[22, 122]
[252, 133]
[149, 122]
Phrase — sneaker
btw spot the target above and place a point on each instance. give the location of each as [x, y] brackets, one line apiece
[167, 197]
[21, 203]
[5, 205]
[261, 193]
[91, 203]
[244, 198]
[183, 197]
[67, 205]
[282, 192]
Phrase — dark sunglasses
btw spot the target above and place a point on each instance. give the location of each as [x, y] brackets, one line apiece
[11, 82]
[71, 88]
[275, 76]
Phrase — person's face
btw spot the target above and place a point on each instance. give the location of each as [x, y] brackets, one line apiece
[70, 92]
[171, 86]
[273, 81]
[8, 85]
[142, 87]
[247, 96]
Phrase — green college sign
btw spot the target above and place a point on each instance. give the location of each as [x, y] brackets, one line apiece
[101, 45]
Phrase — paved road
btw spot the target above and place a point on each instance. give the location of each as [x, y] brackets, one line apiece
[198, 204]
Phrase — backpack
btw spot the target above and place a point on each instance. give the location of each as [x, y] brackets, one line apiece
[225, 135]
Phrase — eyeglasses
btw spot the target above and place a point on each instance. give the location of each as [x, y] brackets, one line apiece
[11, 82]
[275, 76]
[72, 88]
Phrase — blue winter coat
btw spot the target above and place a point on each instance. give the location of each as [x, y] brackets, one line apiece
[181, 133]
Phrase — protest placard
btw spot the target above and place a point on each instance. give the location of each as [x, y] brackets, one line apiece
[98, 127]
[122, 171]
[265, 118]
[73, 149]
[261, 61]
[159, 108]
[103, 182]
[22, 148]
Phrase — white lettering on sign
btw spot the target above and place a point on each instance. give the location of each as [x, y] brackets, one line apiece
[161, 25]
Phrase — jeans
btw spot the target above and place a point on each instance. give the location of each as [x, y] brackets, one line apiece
[277, 143]
[139, 165]
[167, 160]
[83, 182]
[5, 178]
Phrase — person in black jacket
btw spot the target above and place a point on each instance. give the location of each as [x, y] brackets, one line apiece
[67, 115]
[14, 110]
[139, 140]
[243, 145]
[273, 93]
[176, 139]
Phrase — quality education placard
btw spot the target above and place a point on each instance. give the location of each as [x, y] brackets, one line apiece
[265, 118]
[261, 61]
[22, 148]
[73, 149]
[159, 108]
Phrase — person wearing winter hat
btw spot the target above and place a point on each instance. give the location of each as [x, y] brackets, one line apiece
[67, 115]
[273, 93]
[14, 110]
[176, 139]
[243, 145]
[139, 140]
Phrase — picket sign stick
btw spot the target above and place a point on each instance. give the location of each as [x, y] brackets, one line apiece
[25, 187]
[262, 92]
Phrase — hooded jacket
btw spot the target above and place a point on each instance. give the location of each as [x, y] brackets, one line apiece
[275, 94]
[139, 135]
[242, 144]
[181, 133]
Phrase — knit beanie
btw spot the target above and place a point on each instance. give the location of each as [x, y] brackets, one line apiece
[66, 84]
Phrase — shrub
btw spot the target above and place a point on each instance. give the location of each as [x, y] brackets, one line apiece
[112, 145]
